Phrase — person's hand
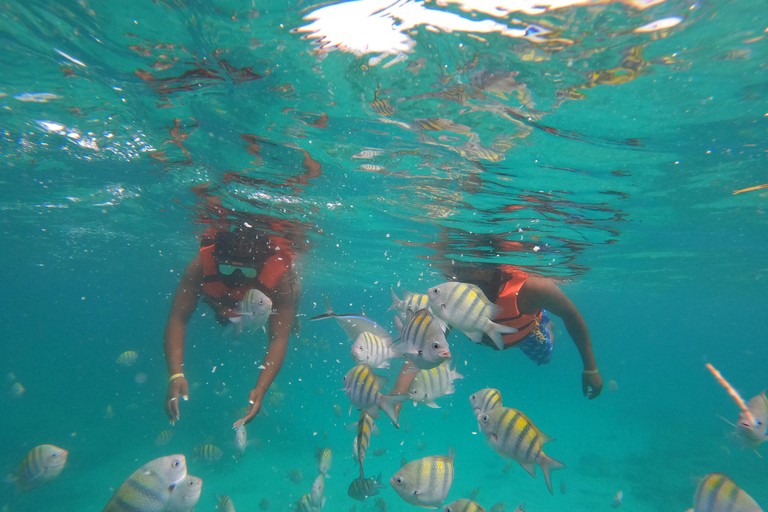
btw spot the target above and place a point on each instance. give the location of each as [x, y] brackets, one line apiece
[178, 387]
[591, 385]
[254, 406]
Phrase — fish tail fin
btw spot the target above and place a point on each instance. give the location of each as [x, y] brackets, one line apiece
[548, 464]
[395, 300]
[496, 330]
[387, 404]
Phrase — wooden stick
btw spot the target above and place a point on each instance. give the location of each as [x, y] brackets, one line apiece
[735, 394]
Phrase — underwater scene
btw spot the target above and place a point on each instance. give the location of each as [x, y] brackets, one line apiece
[384, 255]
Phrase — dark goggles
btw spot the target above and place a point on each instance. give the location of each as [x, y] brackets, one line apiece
[228, 270]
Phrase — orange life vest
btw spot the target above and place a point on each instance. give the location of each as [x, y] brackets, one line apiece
[510, 315]
[223, 299]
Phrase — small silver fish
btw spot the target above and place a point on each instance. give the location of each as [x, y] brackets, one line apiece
[425, 482]
[254, 310]
[353, 324]
[241, 440]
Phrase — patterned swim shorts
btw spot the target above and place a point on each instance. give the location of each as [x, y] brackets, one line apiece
[537, 345]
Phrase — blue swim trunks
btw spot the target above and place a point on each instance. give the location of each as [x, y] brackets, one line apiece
[538, 348]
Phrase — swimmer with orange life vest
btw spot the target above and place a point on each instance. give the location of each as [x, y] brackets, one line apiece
[526, 300]
[228, 265]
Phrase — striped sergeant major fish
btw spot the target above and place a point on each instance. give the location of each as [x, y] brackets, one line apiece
[364, 430]
[485, 401]
[410, 301]
[41, 465]
[429, 385]
[224, 504]
[373, 350]
[209, 453]
[425, 482]
[361, 488]
[362, 386]
[317, 494]
[424, 342]
[186, 494]
[466, 307]
[463, 505]
[324, 461]
[149, 488]
[718, 493]
[353, 324]
[515, 437]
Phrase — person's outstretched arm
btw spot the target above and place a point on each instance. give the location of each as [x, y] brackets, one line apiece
[543, 293]
[184, 304]
[279, 331]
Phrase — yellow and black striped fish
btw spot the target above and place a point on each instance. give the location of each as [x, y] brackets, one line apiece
[224, 504]
[208, 453]
[382, 107]
[424, 342]
[718, 493]
[463, 505]
[41, 465]
[373, 350]
[324, 461]
[466, 307]
[425, 482]
[515, 437]
[411, 301]
[485, 400]
[362, 488]
[364, 431]
[429, 385]
[149, 487]
[362, 386]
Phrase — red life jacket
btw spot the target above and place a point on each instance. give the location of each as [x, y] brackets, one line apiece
[223, 299]
[510, 315]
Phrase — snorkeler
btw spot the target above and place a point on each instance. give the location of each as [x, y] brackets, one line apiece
[228, 265]
[526, 300]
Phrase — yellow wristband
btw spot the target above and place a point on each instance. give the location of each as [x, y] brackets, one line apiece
[590, 372]
[175, 376]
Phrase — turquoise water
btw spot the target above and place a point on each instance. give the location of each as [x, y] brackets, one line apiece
[601, 156]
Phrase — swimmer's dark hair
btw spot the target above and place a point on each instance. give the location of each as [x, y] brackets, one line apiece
[241, 246]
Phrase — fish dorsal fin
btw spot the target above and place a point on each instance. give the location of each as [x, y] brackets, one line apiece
[381, 380]
[398, 325]
[451, 453]
[328, 308]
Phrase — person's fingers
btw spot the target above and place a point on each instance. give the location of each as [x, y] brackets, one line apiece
[184, 390]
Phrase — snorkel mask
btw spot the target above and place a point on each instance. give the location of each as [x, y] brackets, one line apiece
[239, 255]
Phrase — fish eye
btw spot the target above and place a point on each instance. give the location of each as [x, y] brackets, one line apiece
[176, 463]
[399, 479]
[420, 352]
[435, 345]
[485, 418]
[473, 397]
